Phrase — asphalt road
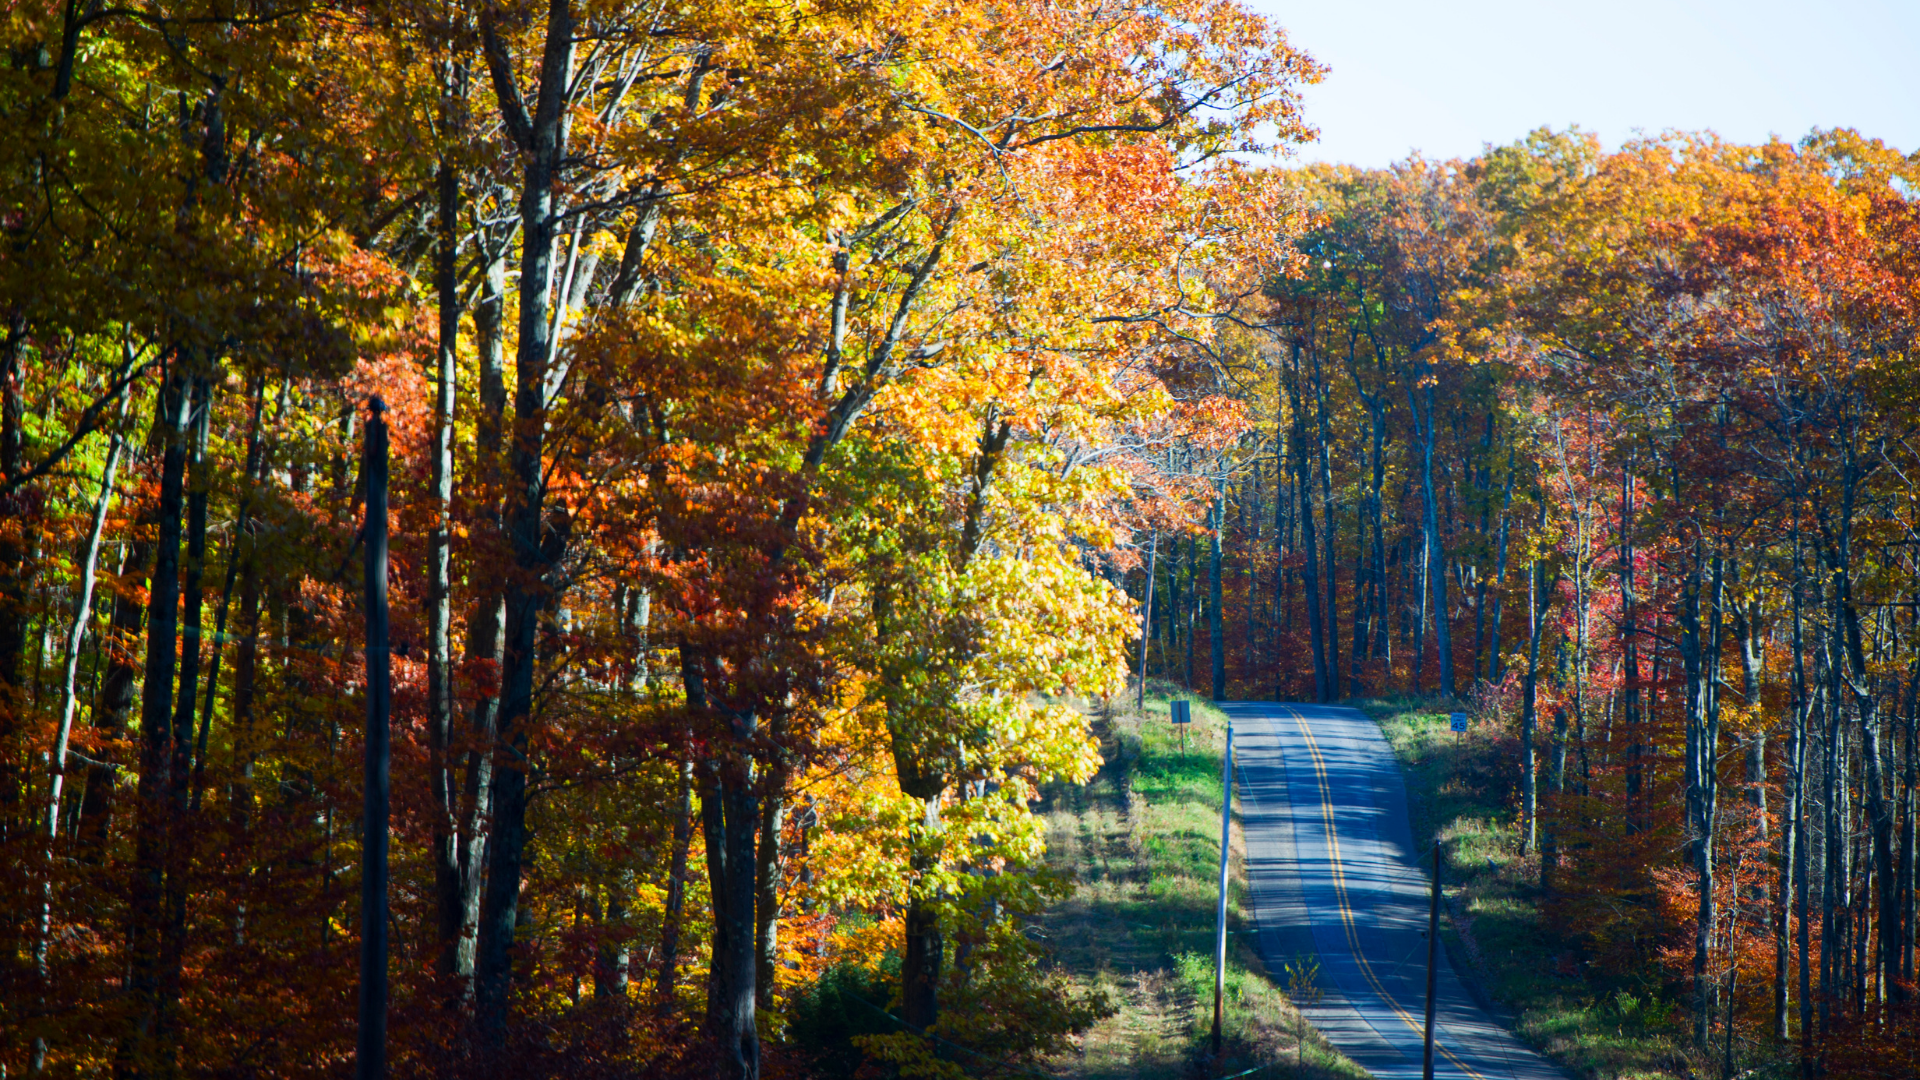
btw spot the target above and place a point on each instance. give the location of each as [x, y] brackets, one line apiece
[1330, 864]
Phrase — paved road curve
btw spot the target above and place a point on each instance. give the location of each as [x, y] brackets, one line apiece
[1329, 860]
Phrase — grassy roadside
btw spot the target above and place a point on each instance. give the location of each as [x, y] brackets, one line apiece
[1462, 790]
[1143, 840]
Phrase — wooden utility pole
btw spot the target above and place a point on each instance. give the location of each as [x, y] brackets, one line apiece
[1433, 953]
[371, 1062]
[1220, 912]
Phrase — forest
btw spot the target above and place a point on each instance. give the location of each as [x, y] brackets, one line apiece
[790, 421]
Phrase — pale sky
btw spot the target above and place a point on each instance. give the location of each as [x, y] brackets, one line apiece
[1447, 76]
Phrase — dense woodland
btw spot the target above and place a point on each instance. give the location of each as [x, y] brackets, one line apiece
[1619, 449]
[798, 413]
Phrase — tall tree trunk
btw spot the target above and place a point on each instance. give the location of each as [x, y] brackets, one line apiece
[730, 819]
[487, 621]
[1888, 946]
[1529, 714]
[57, 762]
[82, 614]
[444, 828]
[1700, 652]
[120, 687]
[1329, 541]
[1556, 785]
[1362, 607]
[246, 668]
[1146, 617]
[376, 784]
[1494, 672]
[179, 850]
[541, 137]
[676, 888]
[1833, 844]
[1879, 811]
[1802, 716]
[613, 958]
[1382, 640]
[1280, 539]
[1309, 548]
[143, 1047]
[1193, 604]
[925, 946]
[1906, 910]
[1249, 518]
[1216, 623]
[1638, 814]
[1792, 834]
[19, 510]
[766, 902]
[1746, 630]
[1436, 556]
[730, 814]
[239, 551]
[613, 961]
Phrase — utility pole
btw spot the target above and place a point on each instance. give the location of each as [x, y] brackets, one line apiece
[371, 1060]
[1433, 952]
[1220, 913]
[1146, 620]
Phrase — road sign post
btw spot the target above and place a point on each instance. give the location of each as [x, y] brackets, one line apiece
[1182, 713]
[1220, 913]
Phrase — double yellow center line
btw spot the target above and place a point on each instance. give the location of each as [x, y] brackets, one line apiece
[1418, 1024]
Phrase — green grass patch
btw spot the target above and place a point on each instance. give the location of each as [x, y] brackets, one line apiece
[1143, 839]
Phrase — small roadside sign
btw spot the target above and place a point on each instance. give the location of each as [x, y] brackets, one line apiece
[1182, 712]
[1459, 721]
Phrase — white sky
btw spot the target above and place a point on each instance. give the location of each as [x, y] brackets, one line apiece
[1447, 76]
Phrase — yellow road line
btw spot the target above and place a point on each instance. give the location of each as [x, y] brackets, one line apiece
[1346, 912]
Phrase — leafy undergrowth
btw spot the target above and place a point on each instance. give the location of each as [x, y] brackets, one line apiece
[1463, 789]
[1143, 838]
